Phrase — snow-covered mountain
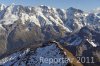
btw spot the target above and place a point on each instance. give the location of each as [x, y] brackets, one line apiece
[24, 26]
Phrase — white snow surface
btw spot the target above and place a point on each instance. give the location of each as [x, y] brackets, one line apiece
[92, 43]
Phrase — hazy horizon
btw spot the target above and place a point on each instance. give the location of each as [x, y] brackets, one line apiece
[63, 4]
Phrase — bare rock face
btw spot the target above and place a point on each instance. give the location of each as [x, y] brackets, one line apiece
[3, 41]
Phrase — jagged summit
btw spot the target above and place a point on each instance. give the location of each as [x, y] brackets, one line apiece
[71, 9]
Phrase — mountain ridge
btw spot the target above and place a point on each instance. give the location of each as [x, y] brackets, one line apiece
[23, 25]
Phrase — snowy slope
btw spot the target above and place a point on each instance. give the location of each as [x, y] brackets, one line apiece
[32, 58]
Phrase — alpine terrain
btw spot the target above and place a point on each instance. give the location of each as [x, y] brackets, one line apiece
[28, 33]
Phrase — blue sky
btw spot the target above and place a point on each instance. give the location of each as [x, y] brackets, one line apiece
[81, 4]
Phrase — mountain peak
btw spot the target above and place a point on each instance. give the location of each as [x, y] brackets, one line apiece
[2, 6]
[71, 9]
[45, 7]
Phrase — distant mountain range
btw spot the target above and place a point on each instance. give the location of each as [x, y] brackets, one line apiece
[22, 27]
